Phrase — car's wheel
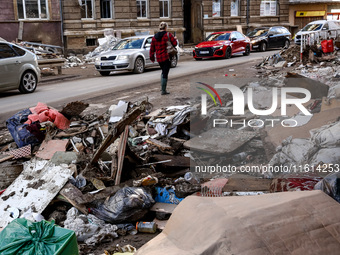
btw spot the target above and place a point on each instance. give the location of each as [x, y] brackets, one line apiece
[28, 82]
[139, 65]
[173, 61]
[263, 46]
[287, 43]
[105, 73]
[228, 53]
[247, 51]
[198, 59]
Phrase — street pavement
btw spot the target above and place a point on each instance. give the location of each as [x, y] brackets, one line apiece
[67, 91]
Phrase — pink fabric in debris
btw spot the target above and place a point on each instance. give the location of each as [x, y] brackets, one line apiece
[41, 107]
[43, 113]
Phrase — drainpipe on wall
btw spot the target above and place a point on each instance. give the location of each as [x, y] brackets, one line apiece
[62, 25]
[248, 15]
[278, 10]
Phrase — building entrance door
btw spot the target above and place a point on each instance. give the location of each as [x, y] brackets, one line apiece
[193, 21]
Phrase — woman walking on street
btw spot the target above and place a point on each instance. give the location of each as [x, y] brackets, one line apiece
[159, 46]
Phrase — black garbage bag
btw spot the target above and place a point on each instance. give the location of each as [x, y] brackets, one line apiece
[128, 204]
[330, 185]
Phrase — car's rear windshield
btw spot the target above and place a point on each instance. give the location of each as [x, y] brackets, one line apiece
[218, 37]
[258, 32]
[132, 43]
[312, 27]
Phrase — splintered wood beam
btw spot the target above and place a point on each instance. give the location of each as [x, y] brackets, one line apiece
[121, 153]
[74, 196]
[159, 144]
[119, 128]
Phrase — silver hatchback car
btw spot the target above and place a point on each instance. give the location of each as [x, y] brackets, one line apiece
[130, 54]
[18, 68]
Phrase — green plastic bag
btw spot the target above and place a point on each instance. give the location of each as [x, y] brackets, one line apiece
[23, 237]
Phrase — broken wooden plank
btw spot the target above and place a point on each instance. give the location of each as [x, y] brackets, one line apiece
[119, 128]
[75, 197]
[114, 167]
[6, 158]
[121, 153]
[159, 144]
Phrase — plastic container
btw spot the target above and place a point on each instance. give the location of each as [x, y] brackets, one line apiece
[327, 46]
[132, 132]
[191, 178]
[146, 227]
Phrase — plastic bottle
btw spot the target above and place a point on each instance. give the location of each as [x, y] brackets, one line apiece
[132, 132]
[146, 227]
[240, 157]
[191, 178]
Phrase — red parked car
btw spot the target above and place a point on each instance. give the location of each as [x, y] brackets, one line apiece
[223, 45]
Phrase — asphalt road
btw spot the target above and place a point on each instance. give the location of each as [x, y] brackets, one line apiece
[62, 92]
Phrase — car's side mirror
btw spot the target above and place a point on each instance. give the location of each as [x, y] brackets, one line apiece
[147, 45]
[233, 39]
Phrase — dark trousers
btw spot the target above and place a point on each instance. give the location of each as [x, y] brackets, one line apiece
[165, 66]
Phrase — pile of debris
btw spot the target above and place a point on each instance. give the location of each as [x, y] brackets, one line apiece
[73, 61]
[292, 55]
[110, 39]
[43, 51]
[103, 173]
[95, 174]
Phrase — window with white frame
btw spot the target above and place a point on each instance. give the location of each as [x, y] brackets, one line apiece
[268, 7]
[142, 8]
[106, 9]
[216, 8]
[164, 8]
[235, 8]
[32, 9]
[87, 9]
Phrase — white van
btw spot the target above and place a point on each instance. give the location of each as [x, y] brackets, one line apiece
[318, 25]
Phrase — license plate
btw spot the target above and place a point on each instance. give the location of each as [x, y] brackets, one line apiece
[106, 64]
[204, 52]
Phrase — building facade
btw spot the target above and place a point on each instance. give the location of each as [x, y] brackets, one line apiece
[31, 20]
[301, 12]
[191, 20]
[86, 20]
[81, 22]
[242, 15]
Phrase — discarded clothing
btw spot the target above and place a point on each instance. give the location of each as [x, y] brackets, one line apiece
[21, 135]
[43, 113]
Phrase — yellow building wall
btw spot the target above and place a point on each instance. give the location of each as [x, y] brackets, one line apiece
[305, 7]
